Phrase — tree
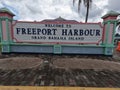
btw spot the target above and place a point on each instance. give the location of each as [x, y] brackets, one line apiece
[87, 4]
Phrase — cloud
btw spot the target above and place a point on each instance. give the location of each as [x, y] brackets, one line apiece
[114, 5]
[50, 9]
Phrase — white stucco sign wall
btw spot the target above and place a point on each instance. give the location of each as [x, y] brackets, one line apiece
[57, 33]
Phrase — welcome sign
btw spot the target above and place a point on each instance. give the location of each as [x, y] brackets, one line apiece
[57, 33]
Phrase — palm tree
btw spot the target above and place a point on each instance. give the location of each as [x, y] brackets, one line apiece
[87, 4]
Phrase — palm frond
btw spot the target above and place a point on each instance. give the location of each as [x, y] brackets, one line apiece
[87, 3]
[90, 2]
[74, 2]
[79, 2]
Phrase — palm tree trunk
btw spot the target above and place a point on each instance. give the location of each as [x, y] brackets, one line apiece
[87, 12]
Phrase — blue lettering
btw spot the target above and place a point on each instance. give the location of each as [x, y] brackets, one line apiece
[64, 31]
[18, 30]
[23, 31]
[44, 31]
[34, 31]
[81, 32]
[38, 31]
[75, 32]
[70, 32]
[54, 31]
[86, 32]
[29, 31]
[97, 32]
[92, 32]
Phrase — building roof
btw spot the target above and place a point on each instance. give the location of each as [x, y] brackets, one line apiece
[59, 19]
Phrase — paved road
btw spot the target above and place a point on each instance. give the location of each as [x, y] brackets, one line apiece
[60, 77]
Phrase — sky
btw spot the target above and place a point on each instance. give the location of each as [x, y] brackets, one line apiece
[37, 10]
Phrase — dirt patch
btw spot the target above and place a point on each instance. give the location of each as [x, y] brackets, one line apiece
[19, 62]
[81, 63]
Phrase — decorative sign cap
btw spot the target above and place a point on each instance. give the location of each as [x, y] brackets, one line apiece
[6, 10]
[111, 13]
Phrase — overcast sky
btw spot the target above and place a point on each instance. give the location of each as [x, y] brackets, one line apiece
[50, 9]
